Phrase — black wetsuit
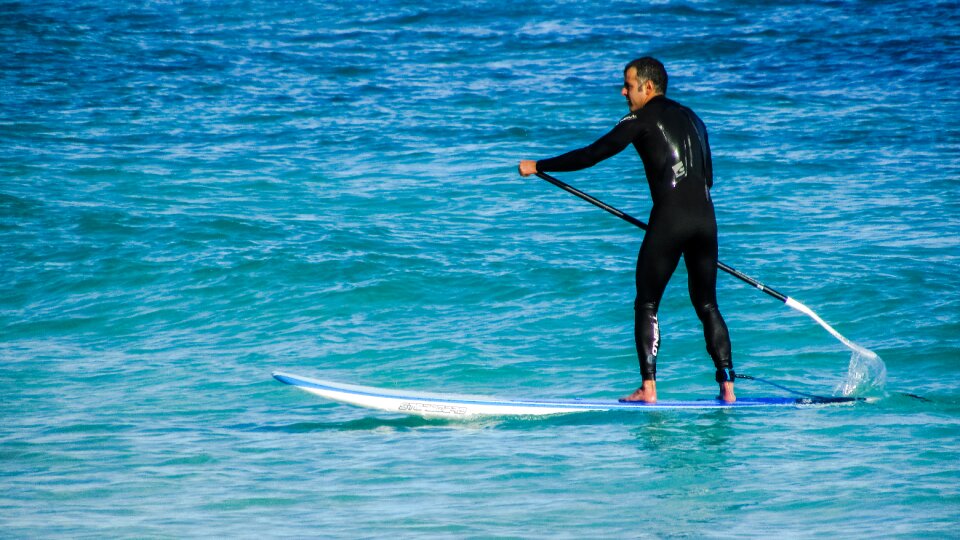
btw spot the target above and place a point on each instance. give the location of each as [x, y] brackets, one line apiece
[672, 142]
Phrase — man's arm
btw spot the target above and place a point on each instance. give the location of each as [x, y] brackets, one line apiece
[607, 146]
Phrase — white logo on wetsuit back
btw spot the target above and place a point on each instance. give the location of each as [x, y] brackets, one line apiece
[679, 173]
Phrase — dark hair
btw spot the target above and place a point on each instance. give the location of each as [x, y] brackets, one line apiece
[650, 69]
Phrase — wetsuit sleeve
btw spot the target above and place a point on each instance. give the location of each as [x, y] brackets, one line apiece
[607, 146]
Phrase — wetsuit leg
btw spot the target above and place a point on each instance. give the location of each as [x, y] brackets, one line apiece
[658, 258]
[700, 257]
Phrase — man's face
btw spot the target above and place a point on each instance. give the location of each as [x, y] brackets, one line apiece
[637, 94]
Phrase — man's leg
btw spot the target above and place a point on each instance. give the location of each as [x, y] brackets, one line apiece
[646, 334]
[701, 262]
[656, 262]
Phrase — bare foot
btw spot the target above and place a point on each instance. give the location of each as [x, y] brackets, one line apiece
[646, 393]
[726, 392]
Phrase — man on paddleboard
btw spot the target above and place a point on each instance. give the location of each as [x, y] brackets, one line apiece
[672, 143]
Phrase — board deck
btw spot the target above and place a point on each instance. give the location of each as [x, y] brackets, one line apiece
[434, 405]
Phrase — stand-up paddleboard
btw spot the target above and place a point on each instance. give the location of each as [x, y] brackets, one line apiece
[433, 405]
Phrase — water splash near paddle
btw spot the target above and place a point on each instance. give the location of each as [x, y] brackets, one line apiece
[866, 375]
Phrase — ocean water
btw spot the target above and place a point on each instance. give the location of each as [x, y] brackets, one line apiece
[194, 194]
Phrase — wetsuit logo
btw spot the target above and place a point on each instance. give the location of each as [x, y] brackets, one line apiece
[655, 347]
[679, 173]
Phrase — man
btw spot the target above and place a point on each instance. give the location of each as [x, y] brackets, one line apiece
[672, 142]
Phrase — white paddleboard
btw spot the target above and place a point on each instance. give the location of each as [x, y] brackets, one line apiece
[432, 405]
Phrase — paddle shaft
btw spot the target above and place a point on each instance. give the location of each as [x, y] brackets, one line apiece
[630, 219]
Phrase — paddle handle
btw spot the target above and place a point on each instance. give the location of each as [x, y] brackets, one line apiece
[630, 219]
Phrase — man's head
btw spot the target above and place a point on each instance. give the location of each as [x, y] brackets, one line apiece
[643, 79]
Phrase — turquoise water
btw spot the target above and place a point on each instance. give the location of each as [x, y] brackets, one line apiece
[195, 194]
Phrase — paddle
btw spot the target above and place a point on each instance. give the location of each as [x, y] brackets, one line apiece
[857, 349]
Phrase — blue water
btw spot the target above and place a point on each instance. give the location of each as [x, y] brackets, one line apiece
[194, 194]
